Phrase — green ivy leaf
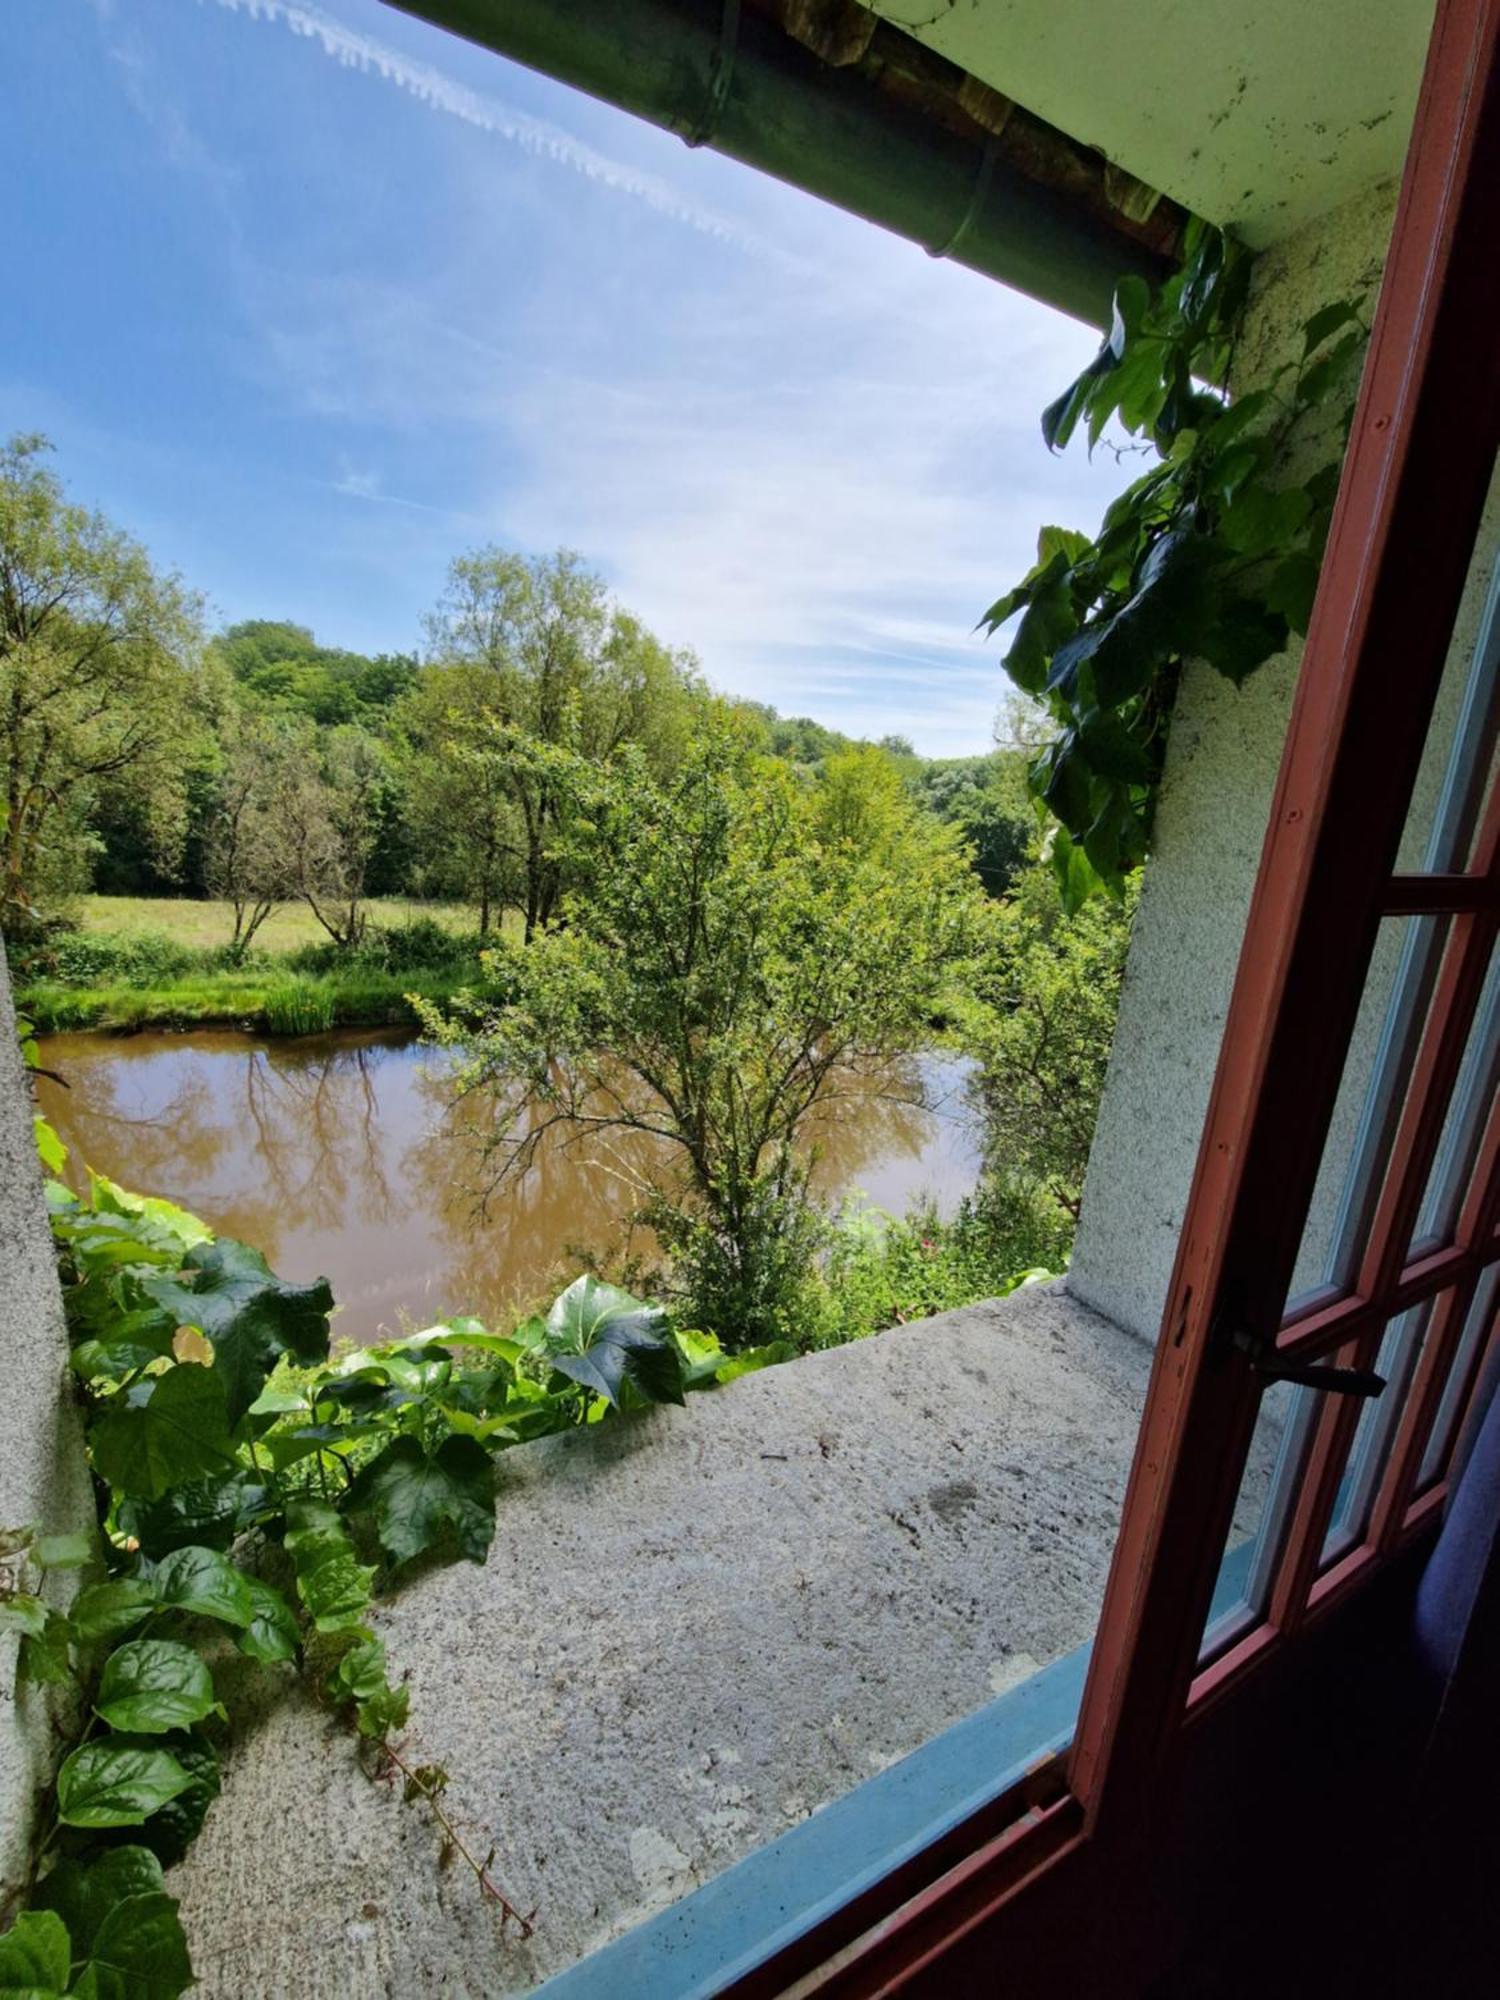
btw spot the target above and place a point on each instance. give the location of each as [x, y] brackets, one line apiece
[382, 1712]
[23, 1614]
[205, 1582]
[206, 1512]
[65, 1551]
[170, 1831]
[50, 1150]
[165, 1218]
[1326, 321]
[272, 1633]
[601, 1337]
[46, 1656]
[1260, 521]
[1109, 748]
[414, 1499]
[117, 1782]
[1292, 588]
[84, 1892]
[139, 1953]
[177, 1430]
[35, 1956]
[251, 1316]
[337, 1592]
[751, 1359]
[153, 1686]
[108, 1610]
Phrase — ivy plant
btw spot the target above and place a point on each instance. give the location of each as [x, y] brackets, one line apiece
[257, 1492]
[1212, 554]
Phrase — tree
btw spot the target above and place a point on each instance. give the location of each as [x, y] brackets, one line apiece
[555, 679]
[250, 860]
[279, 665]
[985, 798]
[1049, 991]
[731, 958]
[98, 675]
[333, 810]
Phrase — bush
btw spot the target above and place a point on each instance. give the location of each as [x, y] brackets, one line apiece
[423, 945]
[747, 1278]
[878, 1272]
[85, 958]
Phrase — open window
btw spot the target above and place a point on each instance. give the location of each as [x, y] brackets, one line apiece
[1336, 1285]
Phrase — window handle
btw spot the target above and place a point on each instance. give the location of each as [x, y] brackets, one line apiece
[1267, 1360]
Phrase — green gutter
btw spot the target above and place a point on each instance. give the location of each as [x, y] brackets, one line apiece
[719, 76]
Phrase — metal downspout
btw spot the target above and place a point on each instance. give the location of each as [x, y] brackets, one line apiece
[720, 76]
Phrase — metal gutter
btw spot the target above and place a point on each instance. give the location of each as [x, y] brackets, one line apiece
[868, 134]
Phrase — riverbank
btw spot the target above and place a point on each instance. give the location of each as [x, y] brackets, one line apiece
[264, 1001]
[129, 963]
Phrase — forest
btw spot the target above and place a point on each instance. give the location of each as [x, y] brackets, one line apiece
[628, 904]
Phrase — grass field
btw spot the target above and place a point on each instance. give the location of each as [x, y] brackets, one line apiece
[139, 984]
[206, 926]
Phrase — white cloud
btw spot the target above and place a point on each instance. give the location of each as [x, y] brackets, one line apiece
[354, 49]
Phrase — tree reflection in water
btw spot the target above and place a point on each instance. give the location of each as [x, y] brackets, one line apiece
[346, 1155]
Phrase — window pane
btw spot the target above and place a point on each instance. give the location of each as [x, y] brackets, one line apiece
[1400, 1349]
[1476, 1326]
[1398, 990]
[1273, 1472]
[1458, 762]
[1473, 1094]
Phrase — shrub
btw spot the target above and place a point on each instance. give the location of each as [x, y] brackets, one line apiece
[878, 1271]
[85, 958]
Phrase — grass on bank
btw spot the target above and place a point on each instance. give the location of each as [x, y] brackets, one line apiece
[275, 1004]
[126, 963]
[208, 926]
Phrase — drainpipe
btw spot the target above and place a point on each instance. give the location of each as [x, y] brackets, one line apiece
[722, 76]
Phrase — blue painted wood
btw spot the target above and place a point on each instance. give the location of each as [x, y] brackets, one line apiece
[697, 1946]
[724, 1929]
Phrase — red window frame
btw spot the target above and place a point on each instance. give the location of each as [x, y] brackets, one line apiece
[1421, 456]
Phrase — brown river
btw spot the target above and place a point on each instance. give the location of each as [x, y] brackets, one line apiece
[339, 1156]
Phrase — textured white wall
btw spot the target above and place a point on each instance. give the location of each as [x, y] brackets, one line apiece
[1221, 770]
[43, 1481]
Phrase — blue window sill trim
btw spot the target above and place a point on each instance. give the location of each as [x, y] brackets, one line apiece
[698, 1946]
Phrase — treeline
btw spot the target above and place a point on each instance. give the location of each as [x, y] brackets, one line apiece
[143, 755]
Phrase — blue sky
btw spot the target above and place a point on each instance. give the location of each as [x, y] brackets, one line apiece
[313, 297]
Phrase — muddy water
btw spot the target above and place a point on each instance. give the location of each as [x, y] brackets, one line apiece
[340, 1155]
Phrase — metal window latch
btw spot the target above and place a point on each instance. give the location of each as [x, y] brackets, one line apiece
[1267, 1360]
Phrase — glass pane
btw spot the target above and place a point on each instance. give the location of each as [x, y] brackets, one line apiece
[1378, 1421]
[1476, 1326]
[1273, 1472]
[1459, 759]
[1473, 1095]
[1371, 1096]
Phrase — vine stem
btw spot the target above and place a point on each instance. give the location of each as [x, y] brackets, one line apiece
[481, 1869]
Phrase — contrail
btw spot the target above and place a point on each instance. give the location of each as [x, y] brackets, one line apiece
[354, 50]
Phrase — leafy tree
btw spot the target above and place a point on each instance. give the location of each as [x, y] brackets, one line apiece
[557, 678]
[333, 811]
[985, 798]
[98, 677]
[250, 860]
[279, 665]
[1049, 990]
[741, 948]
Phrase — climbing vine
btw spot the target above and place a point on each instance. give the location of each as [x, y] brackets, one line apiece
[256, 1495]
[1212, 554]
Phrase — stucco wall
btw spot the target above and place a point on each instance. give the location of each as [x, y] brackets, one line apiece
[1221, 771]
[43, 1480]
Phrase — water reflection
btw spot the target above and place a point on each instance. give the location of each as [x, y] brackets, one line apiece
[342, 1154]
